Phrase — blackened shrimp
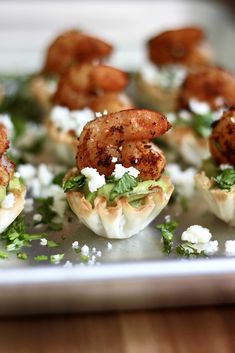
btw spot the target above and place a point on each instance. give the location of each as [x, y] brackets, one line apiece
[185, 46]
[81, 83]
[212, 85]
[222, 139]
[126, 136]
[6, 165]
[74, 47]
[4, 143]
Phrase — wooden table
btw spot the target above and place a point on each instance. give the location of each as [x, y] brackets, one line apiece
[193, 330]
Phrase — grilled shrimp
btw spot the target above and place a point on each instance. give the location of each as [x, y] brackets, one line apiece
[6, 166]
[111, 102]
[125, 135]
[74, 46]
[184, 46]
[212, 85]
[82, 82]
[222, 139]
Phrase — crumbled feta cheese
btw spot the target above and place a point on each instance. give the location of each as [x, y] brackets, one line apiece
[93, 250]
[6, 121]
[44, 175]
[230, 247]
[196, 234]
[28, 206]
[199, 107]
[209, 248]
[171, 117]
[43, 242]
[105, 112]
[17, 175]
[114, 159]
[8, 201]
[27, 171]
[119, 171]
[37, 217]
[71, 120]
[95, 180]
[225, 166]
[182, 179]
[109, 246]
[98, 114]
[56, 259]
[167, 218]
[185, 115]
[75, 245]
[99, 253]
[85, 250]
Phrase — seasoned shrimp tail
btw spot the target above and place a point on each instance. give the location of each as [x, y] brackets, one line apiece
[212, 85]
[108, 137]
[112, 102]
[184, 46]
[74, 46]
[222, 139]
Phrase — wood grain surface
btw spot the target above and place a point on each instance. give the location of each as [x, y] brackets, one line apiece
[194, 330]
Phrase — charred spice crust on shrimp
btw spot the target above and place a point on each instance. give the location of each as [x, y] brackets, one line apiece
[119, 187]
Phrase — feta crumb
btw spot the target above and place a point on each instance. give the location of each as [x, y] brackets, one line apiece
[37, 217]
[105, 112]
[185, 115]
[225, 166]
[196, 234]
[98, 114]
[182, 179]
[199, 107]
[43, 242]
[167, 218]
[209, 248]
[109, 246]
[27, 171]
[28, 206]
[171, 117]
[95, 180]
[120, 170]
[230, 247]
[68, 264]
[44, 175]
[8, 201]
[114, 159]
[75, 245]
[17, 175]
[93, 250]
[85, 250]
[99, 253]
[56, 259]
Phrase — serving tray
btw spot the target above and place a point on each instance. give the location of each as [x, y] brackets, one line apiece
[132, 273]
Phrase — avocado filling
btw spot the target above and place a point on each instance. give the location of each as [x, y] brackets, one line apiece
[15, 184]
[127, 186]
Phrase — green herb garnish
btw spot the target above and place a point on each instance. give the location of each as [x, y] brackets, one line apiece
[188, 250]
[17, 237]
[226, 179]
[22, 256]
[202, 124]
[167, 230]
[47, 213]
[74, 183]
[52, 244]
[3, 255]
[58, 179]
[123, 185]
[55, 259]
[41, 258]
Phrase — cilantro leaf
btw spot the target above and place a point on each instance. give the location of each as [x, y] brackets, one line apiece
[202, 124]
[74, 183]
[58, 179]
[55, 259]
[167, 230]
[3, 255]
[22, 255]
[123, 185]
[52, 244]
[47, 213]
[188, 250]
[41, 258]
[226, 179]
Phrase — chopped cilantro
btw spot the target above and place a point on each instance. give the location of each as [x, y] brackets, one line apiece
[22, 255]
[74, 183]
[226, 179]
[41, 258]
[123, 185]
[55, 259]
[188, 250]
[47, 213]
[3, 255]
[52, 244]
[167, 230]
[58, 179]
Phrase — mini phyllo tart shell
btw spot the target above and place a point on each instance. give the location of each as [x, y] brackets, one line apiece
[220, 202]
[121, 220]
[8, 215]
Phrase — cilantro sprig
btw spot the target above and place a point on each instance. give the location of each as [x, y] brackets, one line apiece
[225, 179]
[187, 250]
[47, 213]
[74, 183]
[123, 185]
[167, 230]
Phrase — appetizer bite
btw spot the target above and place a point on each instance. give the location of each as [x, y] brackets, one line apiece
[216, 180]
[84, 91]
[172, 54]
[12, 191]
[201, 99]
[68, 48]
[118, 186]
